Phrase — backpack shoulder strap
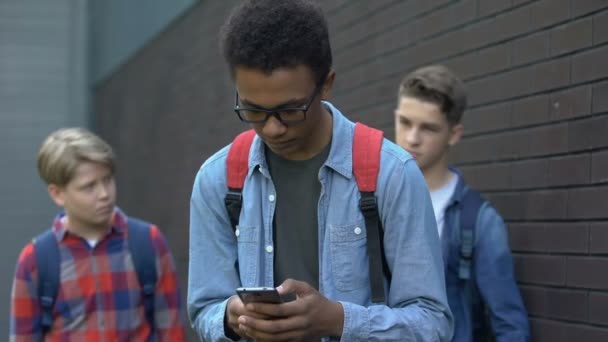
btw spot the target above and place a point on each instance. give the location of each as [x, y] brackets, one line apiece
[144, 261]
[471, 202]
[237, 165]
[367, 143]
[46, 251]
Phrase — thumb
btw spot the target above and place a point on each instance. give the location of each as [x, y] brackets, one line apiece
[300, 288]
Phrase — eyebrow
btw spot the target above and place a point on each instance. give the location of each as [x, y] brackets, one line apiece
[287, 104]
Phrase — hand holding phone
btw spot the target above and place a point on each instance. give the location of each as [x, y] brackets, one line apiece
[259, 295]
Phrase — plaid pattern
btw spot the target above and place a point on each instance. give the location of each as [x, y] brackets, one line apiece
[99, 297]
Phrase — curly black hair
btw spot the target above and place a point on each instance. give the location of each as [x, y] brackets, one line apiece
[271, 34]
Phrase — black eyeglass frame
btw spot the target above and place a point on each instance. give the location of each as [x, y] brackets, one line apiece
[276, 112]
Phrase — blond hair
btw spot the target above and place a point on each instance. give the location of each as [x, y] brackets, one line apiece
[63, 150]
[438, 85]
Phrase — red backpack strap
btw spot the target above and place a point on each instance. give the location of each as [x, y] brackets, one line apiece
[237, 165]
[367, 143]
[366, 156]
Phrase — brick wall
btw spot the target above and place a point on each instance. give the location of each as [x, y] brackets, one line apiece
[536, 138]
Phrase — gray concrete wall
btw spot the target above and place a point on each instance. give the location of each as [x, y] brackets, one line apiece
[120, 28]
[43, 86]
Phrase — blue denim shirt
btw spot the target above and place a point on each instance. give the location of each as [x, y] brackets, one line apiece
[416, 308]
[493, 281]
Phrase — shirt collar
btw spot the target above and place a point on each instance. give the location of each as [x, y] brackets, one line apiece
[461, 186]
[118, 224]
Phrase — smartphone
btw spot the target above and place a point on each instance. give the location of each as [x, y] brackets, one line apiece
[259, 295]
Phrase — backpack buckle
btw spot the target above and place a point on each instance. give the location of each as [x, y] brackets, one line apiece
[367, 202]
[46, 301]
[466, 249]
[233, 196]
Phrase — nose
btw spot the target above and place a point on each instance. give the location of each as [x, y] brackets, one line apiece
[273, 128]
[104, 191]
[412, 137]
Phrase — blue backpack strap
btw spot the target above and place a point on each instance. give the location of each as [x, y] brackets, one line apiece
[144, 260]
[469, 210]
[46, 251]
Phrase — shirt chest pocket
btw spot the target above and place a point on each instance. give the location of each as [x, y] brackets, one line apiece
[248, 244]
[349, 256]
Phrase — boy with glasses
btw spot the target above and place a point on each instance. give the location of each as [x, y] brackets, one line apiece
[298, 225]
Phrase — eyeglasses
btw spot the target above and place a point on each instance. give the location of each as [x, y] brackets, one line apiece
[286, 116]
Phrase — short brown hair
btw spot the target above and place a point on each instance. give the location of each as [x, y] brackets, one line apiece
[438, 85]
[63, 150]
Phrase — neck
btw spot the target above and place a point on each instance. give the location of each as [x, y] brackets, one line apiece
[320, 137]
[437, 176]
[84, 231]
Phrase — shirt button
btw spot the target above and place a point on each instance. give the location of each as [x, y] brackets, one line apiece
[237, 233]
[269, 249]
[357, 230]
[271, 198]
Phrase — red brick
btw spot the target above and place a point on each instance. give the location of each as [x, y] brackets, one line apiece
[598, 239]
[549, 12]
[509, 205]
[527, 237]
[487, 148]
[590, 65]
[587, 272]
[558, 331]
[550, 75]
[568, 237]
[598, 308]
[529, 174]
[487, 177]
[488, 118]
[572, 36]
[548, 140]
[569, 170]
[588, 203]
[570, 103]
[492, 59]
[558, 304]
[600, 28]
[581, 7]
[531, 110]
[530, 48]
[580, 135]
[565, 237]
[546, 204]
[599, 167]
[488, 7]
[448, 17]
[600, 98]
[542, 270]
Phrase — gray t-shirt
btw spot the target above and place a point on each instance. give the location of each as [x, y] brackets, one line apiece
[295, 225]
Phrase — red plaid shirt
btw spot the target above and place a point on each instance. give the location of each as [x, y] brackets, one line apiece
[99, 297]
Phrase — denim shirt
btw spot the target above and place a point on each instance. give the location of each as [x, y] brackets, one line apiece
[222, 259]
[493, 281]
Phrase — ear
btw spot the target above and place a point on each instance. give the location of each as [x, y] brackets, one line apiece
[56, 194]
[456, 132]
[328, 84]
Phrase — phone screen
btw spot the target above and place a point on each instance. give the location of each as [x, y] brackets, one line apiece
[259, 295]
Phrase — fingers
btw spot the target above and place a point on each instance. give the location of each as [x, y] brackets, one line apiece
[274, 330]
